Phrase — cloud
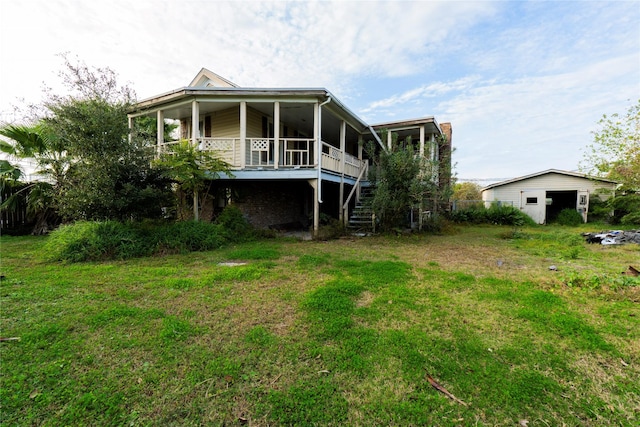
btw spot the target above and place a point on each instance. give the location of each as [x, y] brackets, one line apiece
[160, 45]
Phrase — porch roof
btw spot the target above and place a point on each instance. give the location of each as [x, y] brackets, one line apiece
[430, 122]
[169, 99]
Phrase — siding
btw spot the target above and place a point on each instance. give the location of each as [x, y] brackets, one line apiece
[547, 182]
[226, 123]
[254, 123]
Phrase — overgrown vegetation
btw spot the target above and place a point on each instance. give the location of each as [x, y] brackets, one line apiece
[344, 332]
[192, 169]
[91, 167]
[569, 217]
[95, 240]
[495, 214]
[403, 181]
[615, 154]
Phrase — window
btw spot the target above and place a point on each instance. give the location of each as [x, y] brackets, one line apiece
[532, 200]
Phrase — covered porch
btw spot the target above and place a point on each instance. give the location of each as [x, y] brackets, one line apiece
[291, 131]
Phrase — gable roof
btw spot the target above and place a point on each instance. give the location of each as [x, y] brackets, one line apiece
[207, 78]
[546, 172]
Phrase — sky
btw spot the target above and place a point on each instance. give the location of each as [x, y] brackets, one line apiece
[523, 83]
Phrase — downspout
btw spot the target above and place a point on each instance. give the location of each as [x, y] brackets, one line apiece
[377, 138]
[320, 148]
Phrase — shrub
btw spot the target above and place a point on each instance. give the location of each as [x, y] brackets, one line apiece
[95, 241]
[92, 240]
[234, 224]
[569, 217]
[500, 215]
[599, 210]
[189, 236]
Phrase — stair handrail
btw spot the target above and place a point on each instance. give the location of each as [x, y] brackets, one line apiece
[345, 206]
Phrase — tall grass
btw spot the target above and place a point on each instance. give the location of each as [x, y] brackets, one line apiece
[93, 241]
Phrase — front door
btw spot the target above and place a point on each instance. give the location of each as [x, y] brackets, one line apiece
[533, 203]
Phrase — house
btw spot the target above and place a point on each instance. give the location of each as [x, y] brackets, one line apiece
[296, 154]
[543, 195]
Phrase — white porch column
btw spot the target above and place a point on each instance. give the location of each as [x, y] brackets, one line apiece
[316, 206]
[195, 122]
[422, 141]
[343, 151]
[160, 127]
[243, 134]
[316, 134]
[389, 139]
[276, 134]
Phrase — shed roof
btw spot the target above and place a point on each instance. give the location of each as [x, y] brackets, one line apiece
[546, 172]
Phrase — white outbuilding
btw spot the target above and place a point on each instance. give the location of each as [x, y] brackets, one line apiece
[543, 195]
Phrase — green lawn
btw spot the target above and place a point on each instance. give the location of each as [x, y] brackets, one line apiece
[344, 332]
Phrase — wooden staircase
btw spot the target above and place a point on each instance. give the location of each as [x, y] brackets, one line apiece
[361, 219]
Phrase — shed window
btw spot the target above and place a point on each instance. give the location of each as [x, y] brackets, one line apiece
[532, 200]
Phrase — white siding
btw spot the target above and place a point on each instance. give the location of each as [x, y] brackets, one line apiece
[547, 182]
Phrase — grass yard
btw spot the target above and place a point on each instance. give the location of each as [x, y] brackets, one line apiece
[349, 332]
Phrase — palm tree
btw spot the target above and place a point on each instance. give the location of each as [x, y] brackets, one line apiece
[192, 168]
[32, 143]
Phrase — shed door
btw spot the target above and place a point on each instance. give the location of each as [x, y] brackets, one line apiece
[532, 202]
[582, 203]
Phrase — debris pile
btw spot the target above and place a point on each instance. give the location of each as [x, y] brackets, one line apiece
[613, 237]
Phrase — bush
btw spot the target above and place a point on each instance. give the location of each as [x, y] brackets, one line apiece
[188, 236]
[599, 210]
[499, 215]
[569, 217]
[96, 241]
[88, 240]
[234, 225]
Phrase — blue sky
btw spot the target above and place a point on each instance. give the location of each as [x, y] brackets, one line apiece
[523, 83]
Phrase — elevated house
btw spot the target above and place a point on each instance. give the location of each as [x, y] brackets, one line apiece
[296, 154]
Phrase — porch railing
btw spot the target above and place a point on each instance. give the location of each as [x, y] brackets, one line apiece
[228, 149]
[332, 159]
[293, 153]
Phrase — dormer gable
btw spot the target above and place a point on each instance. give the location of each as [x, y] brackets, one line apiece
[206, 78]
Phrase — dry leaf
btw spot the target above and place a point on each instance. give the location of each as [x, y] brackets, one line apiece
[34, 394]
[624, 363]
[523, 423]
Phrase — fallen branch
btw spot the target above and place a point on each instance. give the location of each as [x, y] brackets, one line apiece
[632, 271]
[443, 390]
[10, 339]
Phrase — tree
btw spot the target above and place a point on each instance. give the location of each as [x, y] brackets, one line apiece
[402, 181]
[109, 173]
[615, 151]
[145, 129]
[52, 163]
[467, 191]
[191, 169]
[615, 154]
